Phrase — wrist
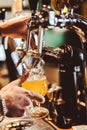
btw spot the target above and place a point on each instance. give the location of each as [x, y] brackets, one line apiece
[1, 111]
[3, 108]
[0, 31]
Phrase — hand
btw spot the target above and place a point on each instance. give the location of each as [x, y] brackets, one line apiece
[16, 27]
[17, 98]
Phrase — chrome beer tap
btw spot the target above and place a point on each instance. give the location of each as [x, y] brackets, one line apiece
[68, 60]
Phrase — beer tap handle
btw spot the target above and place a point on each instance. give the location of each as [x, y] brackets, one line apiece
[32, 27]
[40, 39]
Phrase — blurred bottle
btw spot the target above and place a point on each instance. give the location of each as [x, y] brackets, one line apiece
[33, 4]
[84, 9]
[37, 4]
[13, 73]
[17, 7]
[46, 2]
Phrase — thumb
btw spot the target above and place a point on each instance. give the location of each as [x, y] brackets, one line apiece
[16, 82]
[20, 80]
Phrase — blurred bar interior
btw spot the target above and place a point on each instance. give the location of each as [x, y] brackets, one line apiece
[64, 63]
[12, 8]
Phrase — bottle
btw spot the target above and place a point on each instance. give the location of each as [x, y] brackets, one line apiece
[46, 2]
[33, 5]
[17, 7]
[84, 9]
[13, 73]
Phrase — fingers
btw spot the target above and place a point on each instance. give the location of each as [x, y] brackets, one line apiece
[20, 80]
[25, 101]
[36, 96]
[14, 112]
[17, 106]
[31, 94]
[16, 82]
[23, 78]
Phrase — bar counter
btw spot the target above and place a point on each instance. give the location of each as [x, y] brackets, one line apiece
[35, 124]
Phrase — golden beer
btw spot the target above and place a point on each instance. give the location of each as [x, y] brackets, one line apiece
[38, 86]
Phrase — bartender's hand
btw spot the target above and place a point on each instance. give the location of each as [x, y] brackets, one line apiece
[17, 98]
[15, 27]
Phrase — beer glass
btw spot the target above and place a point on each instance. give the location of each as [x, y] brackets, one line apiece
[36, 82]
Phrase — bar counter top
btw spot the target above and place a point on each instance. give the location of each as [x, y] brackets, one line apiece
[35, 124]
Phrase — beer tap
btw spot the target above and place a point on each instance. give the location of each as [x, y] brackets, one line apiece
[68, 59]
[47, 19]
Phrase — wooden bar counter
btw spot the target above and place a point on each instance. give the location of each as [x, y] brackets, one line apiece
[37, 124]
